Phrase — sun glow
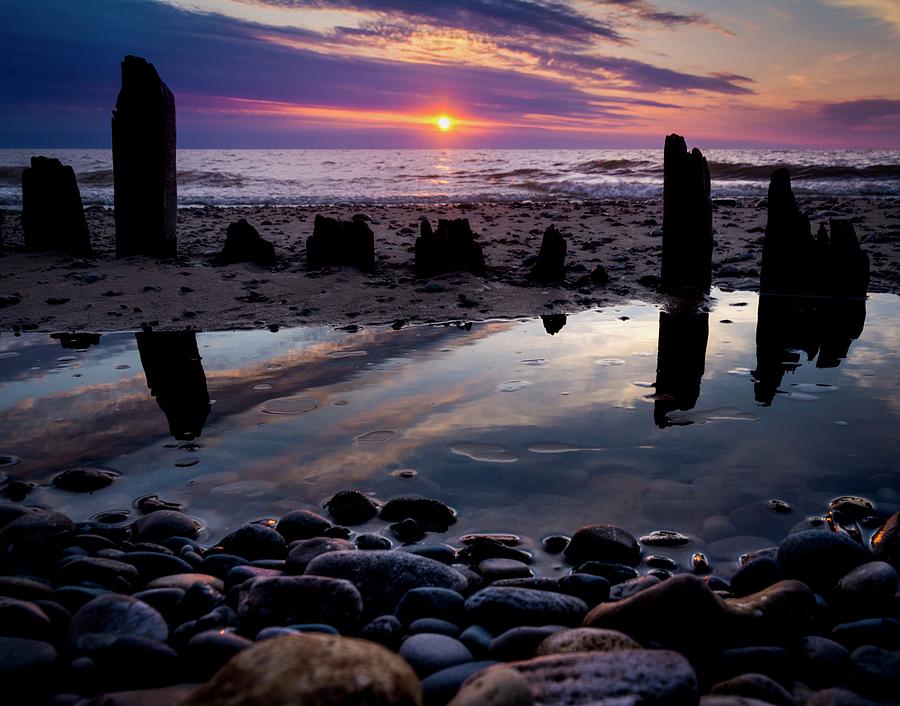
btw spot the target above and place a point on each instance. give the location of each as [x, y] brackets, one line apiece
[444, 123]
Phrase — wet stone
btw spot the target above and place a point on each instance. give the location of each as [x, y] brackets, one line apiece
[756, 575]
[631, 587]
[521, 642]
[501, 608]
[26, 666]
[876, 672]
[408, 530]
[109, 573]
[301, 524]
[665, 538]
[432, 514]
[868, 589]
[818, 558]
[351, 507]
[23, 619]
[385, 630]
[255, 541]
[586, 640]
[606, 543]
[433, 625]
[219, 565]
[84, 480]
[497, 569]
[755, 686]
[439, 688]
[881, 632]
[163, 524]
[886, 541]
[822, 662]
[482, 548]
[614, 573]
[207, 652]
[114, 614]
[591, 589]
[152, 565]
[438, 603]
[305, 550]
[555, 543]
[497, 686]
[372, 541]
[427, 653]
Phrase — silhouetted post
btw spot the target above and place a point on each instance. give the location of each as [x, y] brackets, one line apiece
[687, 218]
[335, 242]
[176, 379]
[551, 261]
[451, 249]
[680, 363]
[52, 212]
[143, 141]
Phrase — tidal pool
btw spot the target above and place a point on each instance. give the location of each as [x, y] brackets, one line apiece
[650, 420]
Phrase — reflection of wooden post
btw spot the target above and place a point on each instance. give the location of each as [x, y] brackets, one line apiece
[52, 212]
[553, 323]
[687, 218]
[143, 142]
[680, 362]
[176, 379]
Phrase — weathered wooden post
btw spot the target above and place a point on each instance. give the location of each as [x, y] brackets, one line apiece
[680, 362]
[687, 218]
[143, 141]
[52, 212]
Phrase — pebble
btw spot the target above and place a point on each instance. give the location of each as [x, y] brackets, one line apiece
[185, 581]
[502, 608]
[207, 652]
[255, 541]
[115, 614]
[496, 686]
[305, 550]
[881, 632]
[84, 480]
[886, 541]
[586, 640]
[756, 575]
[820, 558]
[163, 524]
[876, 672]
[440, 603]
[26, 667]
[440, 687]
[433, 625]
[497, 569]
[384, 577]
[427, 653]
[301, 524]
[385, 630]
[273, 601]
[477, 639]
[431, 514]
[868, 589]
[606, 543]
[351, 507]
[521, 642]
[822, 662]
[755, 686]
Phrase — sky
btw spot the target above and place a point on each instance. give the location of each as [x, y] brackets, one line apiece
[507, 73]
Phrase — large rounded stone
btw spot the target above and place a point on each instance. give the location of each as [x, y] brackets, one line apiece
[867, 590]
[39, 532]
[351, 507]
[886, 541]
[161, 525]
[647, 677]
[254, 541]
[305, 550]
[787, 608]
[292, 600]
[84, 479]
[301, 524]
[431, 514]
[114, 614]
[27, 667]
[606, 543]
[819, 558]
[429, 652]
[500, 608]
[384, 577]
[586, 640]
[313, 670]
[497, 686]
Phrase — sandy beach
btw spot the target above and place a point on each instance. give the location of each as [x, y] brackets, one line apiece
[59, 292]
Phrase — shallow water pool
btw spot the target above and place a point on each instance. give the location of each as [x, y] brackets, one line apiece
[685, 420]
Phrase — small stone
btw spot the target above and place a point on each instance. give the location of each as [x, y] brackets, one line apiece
[521, 642]
[301, 524]
[351, 507]
[207, 652]
[255, 541]
[755, 575]
[432, 514]
[502, 608]
[385, 630]
[428, 653]
[876, 672]
[755, 686]
[886, 541]
[867, 590]
[606, 543]
[497, 569]
[369, 541]
[433, 625]
[822, 662]
[665, 538]
[27, 669]
[496, 686]
[84, 480]
[439, 603]
[163, 524]
[586, 640]
[442, 686]
[114, 614]
[305, 550]
[185, 581]
[819, 558]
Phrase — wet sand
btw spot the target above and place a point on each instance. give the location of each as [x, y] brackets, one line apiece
[59, 292]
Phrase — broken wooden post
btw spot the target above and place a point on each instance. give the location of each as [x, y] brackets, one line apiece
[687, 218]
[143, 142]
[680, 363]
[52, 212]
[451, 249]
[551, 260]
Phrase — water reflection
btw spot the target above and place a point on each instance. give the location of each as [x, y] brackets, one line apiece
[788, 327]
[553, 323]
[680, 362]
[77, 341]
[176, 379]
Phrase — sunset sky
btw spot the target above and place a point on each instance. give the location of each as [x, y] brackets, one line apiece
[509, 73]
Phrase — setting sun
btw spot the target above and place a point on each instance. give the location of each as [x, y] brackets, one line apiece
[444, 123]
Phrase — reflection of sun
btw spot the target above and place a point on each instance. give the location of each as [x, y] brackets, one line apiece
[444, 123]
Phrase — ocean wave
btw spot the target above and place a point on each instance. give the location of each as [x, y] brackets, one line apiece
[727, 170]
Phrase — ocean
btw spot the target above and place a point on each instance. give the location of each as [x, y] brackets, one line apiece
[302, 177]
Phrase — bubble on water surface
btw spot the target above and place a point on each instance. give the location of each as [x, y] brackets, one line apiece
[488, 453]
[608, 362]
[552, 447]
[404, 473]
[534, 361]
[290, 405]
[379, 436]
[513, 385]
[7, 460]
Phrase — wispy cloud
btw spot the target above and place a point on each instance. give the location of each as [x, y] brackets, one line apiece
[887, 11]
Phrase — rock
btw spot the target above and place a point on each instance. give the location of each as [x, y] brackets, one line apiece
[301, 524]
[408, 530]
[818, 558]
[615, 574]
[152, 565]
[440, 687]
[305, 550]
[665, 538]
[175, 695]
[822, 662]
[787, 608]
[838, 697]
[351, 507]
[162, 524]
[443, 553]
[452, 248]
[385, 630]
[876, 672]
[207, 652]
[502, 608]
[244, 244]
[881, 632]
[114, 614]
[755, 686]
[477, 639]
[497, 686]
[521, 642]
[551, 260]
[35, 534]
[867, 590]
[586, 640]
[433, 625]
[498, 569]
[337, 670]
[115, 575]
[606, 543]
[591, 589]
[774, 662]
[52, 212]
[24, 619]
[84, 480]
[687, 218]
[440, 603]
[132, 662]
[27, 668]
[427, 653]
[335, 242]
[669, 614]
[368, 541]
[185, 581]
[23, 588]
[886, 541]
[255, 541]
[755, 575]
[643, 676]
[384, 577]
[481, 548]
[143, 144]
[433, 515]
[279, 601]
